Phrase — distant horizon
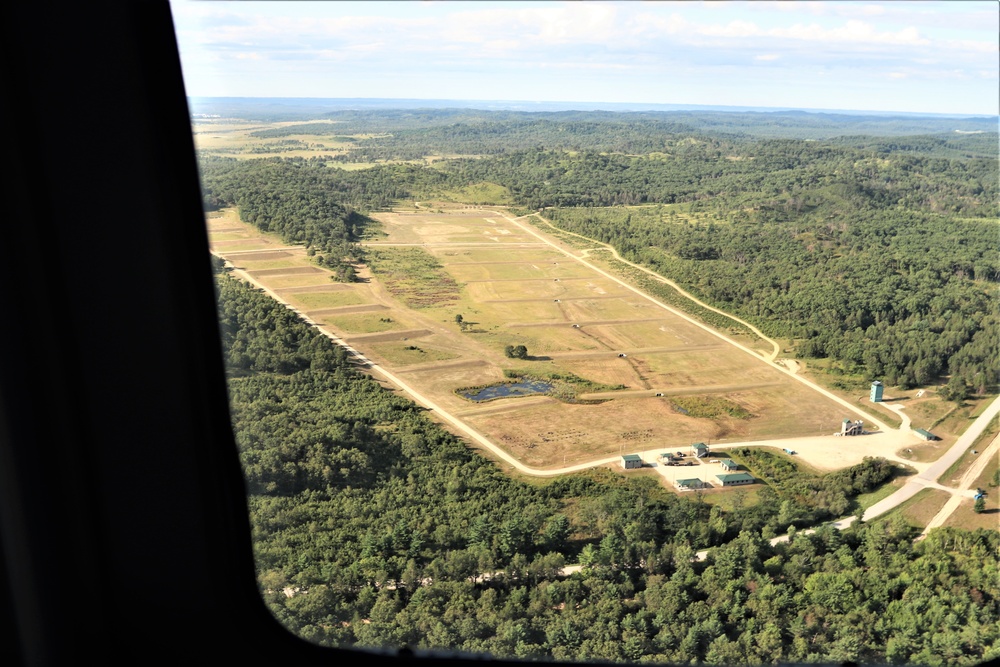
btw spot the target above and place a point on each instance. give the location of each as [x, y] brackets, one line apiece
[903, 56]
[344, 103]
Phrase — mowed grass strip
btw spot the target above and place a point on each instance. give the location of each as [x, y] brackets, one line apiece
[292, 281]
[312, 300]
[920, 509]
[406, 354]
[556, 433]
[365, 322]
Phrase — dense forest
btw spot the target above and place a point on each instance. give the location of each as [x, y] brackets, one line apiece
[375, 527]
[878, 253]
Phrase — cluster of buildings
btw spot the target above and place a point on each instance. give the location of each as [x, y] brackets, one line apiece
[731, 474]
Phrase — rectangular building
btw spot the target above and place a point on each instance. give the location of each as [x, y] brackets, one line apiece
[735, 479]
[630, 461]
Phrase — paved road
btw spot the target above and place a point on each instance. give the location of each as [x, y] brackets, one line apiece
[930, 475]
[965, 484]
[928, 478]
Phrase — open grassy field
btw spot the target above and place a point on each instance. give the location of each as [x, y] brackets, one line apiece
[236, 139]
[327, 299]
[406, 353]
[965, 517]
[954, 473]
[920, 509]
[361, 323]
[866, 500]
[514, 288]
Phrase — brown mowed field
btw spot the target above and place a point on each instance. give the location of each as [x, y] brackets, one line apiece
[626, 307]
[257, 264]
[554, 338]
[513, 267]
[669, 331]
[440, 383]
[555, 434]
[399, 355]
[605, 370]
[540, 255]
[498, 312]
[309, 300]
[360, 323]
[543, 287]
[269, 256]
[236, 245]
[292, 281]
[715, 363]
[532, 295]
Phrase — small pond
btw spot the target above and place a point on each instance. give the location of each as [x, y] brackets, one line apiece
[522, 388]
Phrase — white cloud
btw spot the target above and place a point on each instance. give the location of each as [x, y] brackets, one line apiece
[731, 29]
[767, 57]
[852, 32]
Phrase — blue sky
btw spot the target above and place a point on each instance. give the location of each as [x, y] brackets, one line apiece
[921, 56]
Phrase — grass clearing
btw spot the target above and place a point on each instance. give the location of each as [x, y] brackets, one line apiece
[731, 499]
[365, 322]
[406, 354]
[314, 300]
[866, 500]
[924, 452]
[920, 509]
[413, 276]
[709, 407]
[480, 193]
[251, 264]
[965, 517]
[308, 280]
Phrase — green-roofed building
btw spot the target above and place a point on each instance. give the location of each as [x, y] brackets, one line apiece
[735, 479]
[925, 435]
[729, 465]
[689, 484]
[631, 461]
[699, 449]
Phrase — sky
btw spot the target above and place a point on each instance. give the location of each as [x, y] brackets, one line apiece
[900, 55]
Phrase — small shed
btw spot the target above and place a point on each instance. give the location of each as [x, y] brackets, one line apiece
[925, 435]
[729, 465]
[699, 449]
[689, 484]
[735, 479]
[630, 461]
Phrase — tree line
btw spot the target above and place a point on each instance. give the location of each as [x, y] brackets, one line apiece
[374, 527]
